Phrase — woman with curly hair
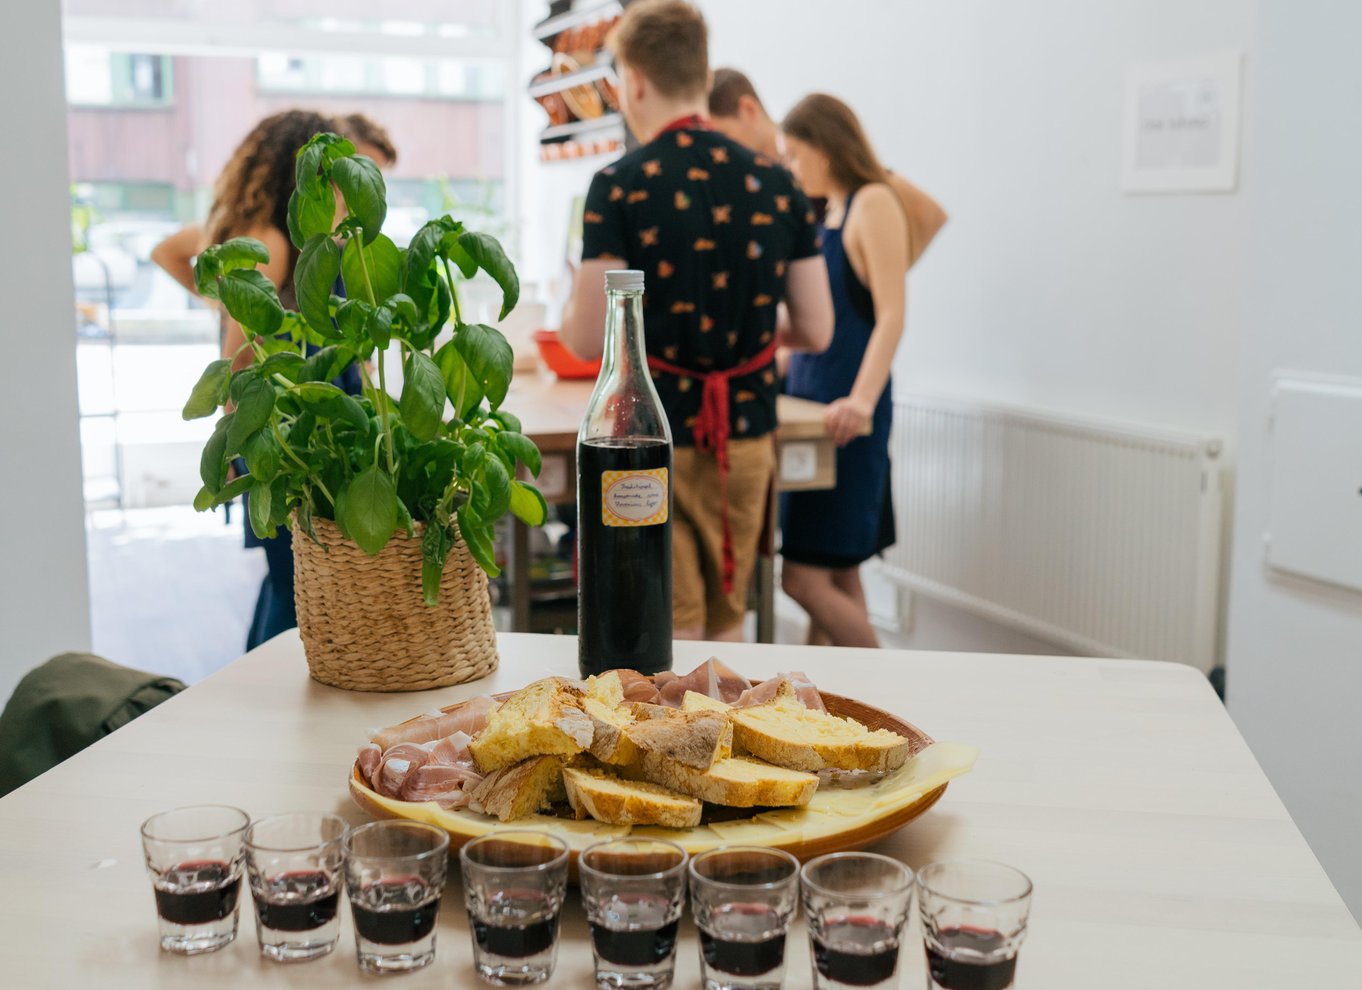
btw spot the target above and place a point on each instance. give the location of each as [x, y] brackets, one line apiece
[250, 199]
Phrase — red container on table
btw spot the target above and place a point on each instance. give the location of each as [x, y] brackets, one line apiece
[561, 361]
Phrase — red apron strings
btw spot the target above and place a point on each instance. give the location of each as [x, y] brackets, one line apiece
[711, 428]
[690, 122]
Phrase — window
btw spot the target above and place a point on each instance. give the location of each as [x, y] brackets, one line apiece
[98, 77]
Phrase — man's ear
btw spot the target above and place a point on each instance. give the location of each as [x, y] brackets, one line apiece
[634, 81]
[749, 109]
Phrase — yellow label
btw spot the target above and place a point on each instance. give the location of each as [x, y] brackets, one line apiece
[634, 498]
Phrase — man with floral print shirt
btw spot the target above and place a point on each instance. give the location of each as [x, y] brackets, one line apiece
[723, 238]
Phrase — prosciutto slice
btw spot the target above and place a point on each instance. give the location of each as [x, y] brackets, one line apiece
[470, 718]
[370, 755]
[451, 751]
[445, 783]
[711, 678]
[638, 687]
[397, 764]
[765, 691]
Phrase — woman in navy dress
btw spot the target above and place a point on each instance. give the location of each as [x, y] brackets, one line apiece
[827, 535]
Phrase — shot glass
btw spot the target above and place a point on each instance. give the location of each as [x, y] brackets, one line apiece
[743, 899]
[974, 915]
[856, 905]
[633, 891]
[513, 884]
[395, 874]
[296, 869]
[195, 857]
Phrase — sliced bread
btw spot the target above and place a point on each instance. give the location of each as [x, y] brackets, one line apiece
[693, 739]
[608, 798]
[606, 688]
[694, 701]
[522, 789]
[542, 719]
[609, 742]
[735, 782]
[784, 732]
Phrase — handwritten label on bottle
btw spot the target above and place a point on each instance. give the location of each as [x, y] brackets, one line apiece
[634, 498]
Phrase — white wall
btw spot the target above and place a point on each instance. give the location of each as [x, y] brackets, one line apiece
[1295, 671]
[44, 594]
[1048, 286]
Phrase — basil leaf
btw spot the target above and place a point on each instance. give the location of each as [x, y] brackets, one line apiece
[252, 301]
[326, 364]
[207, 269]
[311, 214]
[522, 448]
[289, 364]
[463, 390]
[361, 185]
[379, 327]
[352, 315]
[489, 358]
[210, 391]
[213, 460]
[253, 409]
[262, 452]
[326, 400]
[477, 537]
[382, 261]
[233, 488]
[423, 397]
[307, 169]
[314, 277]
[260, 503]
[417, 277]
[242, 252]
[435, 544]
[487, 252]
[527, 504]
[508, 421]
[367, 508]
[497, 483]
[405, 308]
[203, 500]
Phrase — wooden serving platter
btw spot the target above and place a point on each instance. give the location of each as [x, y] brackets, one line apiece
[838, 818]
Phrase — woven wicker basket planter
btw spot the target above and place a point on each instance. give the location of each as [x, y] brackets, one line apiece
[365, 626]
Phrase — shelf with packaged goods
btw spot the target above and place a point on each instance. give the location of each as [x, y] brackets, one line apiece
[569, 80]
[546, 29]
[579, 129]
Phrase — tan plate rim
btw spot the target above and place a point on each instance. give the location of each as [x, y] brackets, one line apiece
[866, 831]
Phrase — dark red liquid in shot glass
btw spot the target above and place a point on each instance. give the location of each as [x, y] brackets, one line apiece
[298, 901]
[197, 893]
[858, 952]
[965, 960]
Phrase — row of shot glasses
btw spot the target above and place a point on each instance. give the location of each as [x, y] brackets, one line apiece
[743, 899]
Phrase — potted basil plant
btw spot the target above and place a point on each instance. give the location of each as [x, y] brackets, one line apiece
[392, 500]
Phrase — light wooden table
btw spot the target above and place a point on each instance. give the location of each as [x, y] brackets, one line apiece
[551, 411]
[1160, 854]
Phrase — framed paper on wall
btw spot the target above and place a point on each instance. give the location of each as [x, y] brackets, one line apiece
[1181, 128]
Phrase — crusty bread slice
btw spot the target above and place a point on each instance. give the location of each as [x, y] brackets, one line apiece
[643, 710]
[606, 688]
[609, 741]
[785, 733]
[694, 701]
[737, 783]
[608, 798]
[544, 718]
[522, 789]
[694, 739]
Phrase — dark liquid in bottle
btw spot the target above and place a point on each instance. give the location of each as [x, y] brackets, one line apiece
[964, 960]
[388, 915]
[636, 946]
[298, 901]
[624, 603]
[515, 941]
[199, 893]
[860, 952]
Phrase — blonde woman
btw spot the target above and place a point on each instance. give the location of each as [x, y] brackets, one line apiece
[827, 535]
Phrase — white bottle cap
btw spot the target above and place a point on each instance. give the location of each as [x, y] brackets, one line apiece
[630, 278]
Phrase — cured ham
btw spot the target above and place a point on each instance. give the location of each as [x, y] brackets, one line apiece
[469, 718]
[638, 687]
[370, 755]
[711, 678]
[446, 783]
[397, 763]
[766, 690]
[451, 751]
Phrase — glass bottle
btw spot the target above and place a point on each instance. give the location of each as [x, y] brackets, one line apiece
[624, 502]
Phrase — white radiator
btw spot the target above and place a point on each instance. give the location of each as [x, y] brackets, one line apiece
[1103, 539]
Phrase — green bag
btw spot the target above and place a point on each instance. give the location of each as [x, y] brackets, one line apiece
[65, 705]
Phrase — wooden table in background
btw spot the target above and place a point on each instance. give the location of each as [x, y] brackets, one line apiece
[1162, 858]
[551, 411]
